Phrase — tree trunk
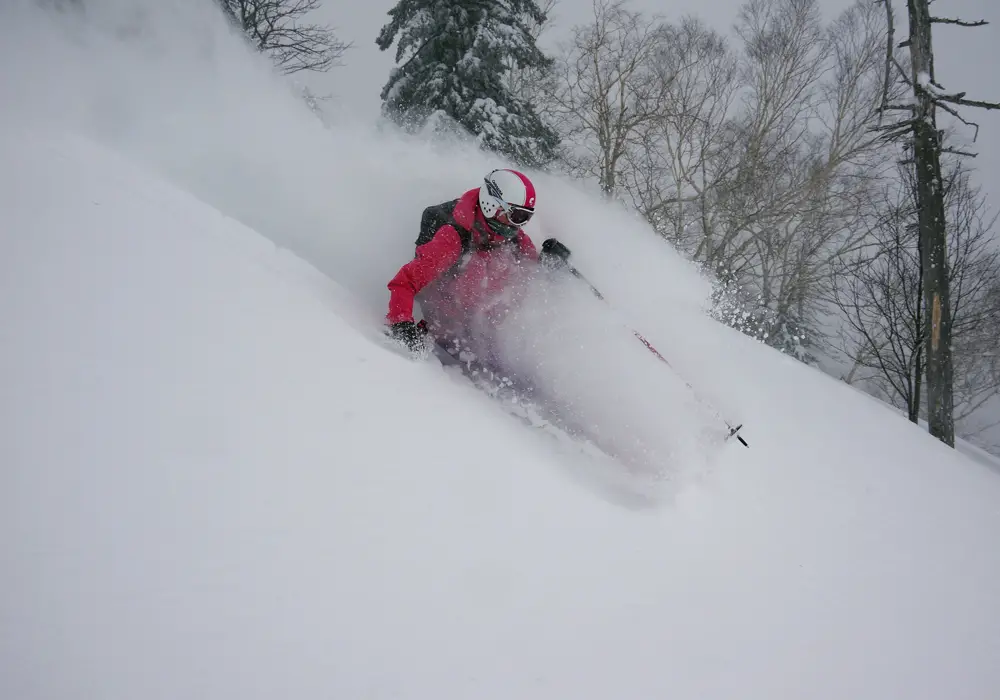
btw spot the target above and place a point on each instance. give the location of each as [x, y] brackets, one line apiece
[930, 200]
[918, 375]
[919, 366]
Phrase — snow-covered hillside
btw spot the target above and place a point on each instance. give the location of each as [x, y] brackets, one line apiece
[217, 482]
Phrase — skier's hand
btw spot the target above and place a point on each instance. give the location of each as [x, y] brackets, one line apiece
[554, 253]
[409, 334]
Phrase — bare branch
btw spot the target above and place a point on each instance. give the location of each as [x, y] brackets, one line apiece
[903, 73]
[956, 152]
[275, 27]
[889, 59]
[957, 100]
[961, 23]
[954, 113]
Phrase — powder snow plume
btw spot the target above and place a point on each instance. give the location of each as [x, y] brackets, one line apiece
[168, 84]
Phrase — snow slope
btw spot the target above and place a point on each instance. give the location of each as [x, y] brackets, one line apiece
[217, 483]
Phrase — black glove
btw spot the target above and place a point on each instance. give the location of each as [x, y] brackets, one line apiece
[409, 334]
[554, 253]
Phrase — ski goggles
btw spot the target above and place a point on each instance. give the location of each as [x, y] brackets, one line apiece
[518, 215]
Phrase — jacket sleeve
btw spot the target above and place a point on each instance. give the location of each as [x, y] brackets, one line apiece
[431, 260]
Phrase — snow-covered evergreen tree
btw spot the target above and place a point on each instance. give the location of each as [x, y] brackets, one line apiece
[451, 60]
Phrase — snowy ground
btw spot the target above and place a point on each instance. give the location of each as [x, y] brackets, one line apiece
[217, 482]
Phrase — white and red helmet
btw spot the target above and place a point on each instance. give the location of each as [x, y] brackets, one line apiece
[510, 192]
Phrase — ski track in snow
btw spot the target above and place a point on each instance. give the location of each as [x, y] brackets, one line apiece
[218, 482]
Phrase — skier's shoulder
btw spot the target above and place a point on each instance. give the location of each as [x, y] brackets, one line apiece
[464, 213]
[446, 240]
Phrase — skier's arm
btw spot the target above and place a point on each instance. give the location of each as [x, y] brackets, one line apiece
[432, 259]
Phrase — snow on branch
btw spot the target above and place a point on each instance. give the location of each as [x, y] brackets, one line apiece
[959, 22]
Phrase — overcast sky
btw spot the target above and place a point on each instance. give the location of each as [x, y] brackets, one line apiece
[966, 59]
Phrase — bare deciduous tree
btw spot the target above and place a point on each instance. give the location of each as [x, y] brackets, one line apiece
[278, 28]
[752, 161]
[688, 149]
[921, 129]
[805, 157]
[607, 90]
[881, 296]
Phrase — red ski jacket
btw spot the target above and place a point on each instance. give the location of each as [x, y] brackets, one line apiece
[485, 274]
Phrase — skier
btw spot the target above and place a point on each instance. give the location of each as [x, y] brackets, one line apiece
[472, 258]
[471, 255]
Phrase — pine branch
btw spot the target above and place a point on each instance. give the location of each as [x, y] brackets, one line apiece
[960, 23]
[419, 51]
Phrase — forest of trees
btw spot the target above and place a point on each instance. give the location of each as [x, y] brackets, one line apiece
[798, 159]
